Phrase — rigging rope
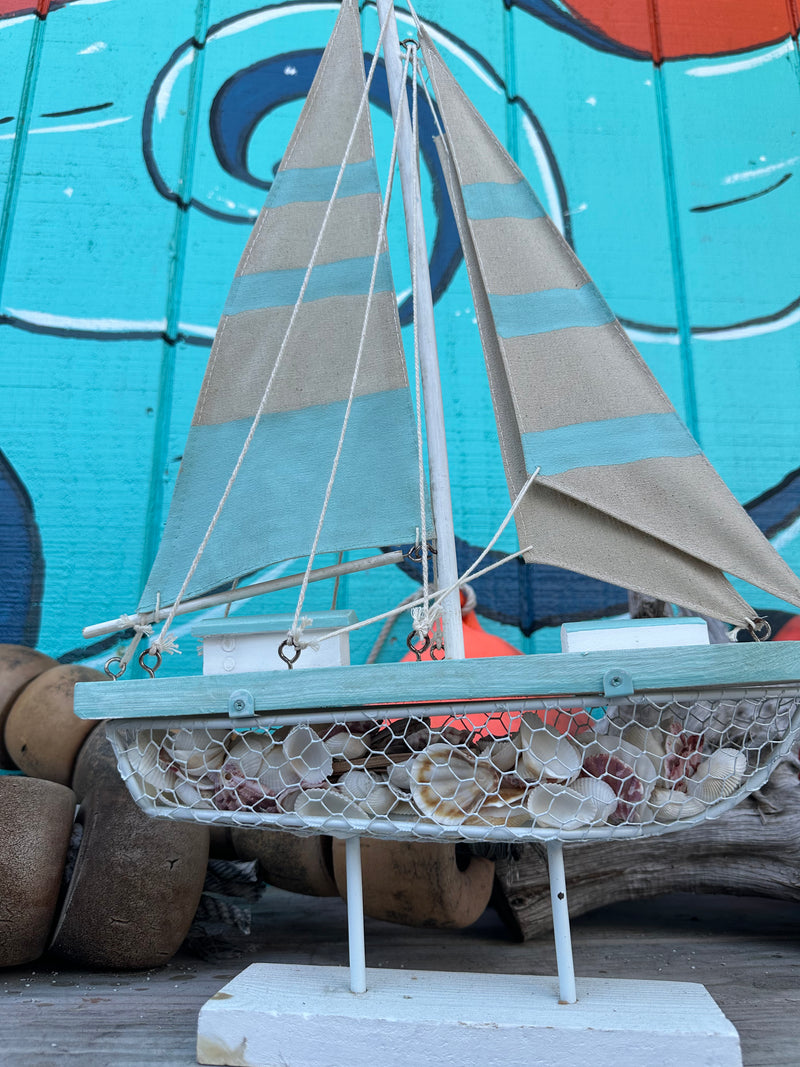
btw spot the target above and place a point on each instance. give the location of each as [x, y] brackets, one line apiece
[163, 642]
[295, 632]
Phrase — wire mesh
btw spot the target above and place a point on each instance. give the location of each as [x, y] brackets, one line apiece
[485, 771]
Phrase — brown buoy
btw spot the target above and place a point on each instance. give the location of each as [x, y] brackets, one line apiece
[19, 665]
[419, 884]
[42, 733]
[36, 820]
[96, 764]
[136, 883]
[299, 864]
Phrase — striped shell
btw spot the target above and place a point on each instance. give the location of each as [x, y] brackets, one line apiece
[545, 753]
[719, 776]
[571, 807]
[308, 755]
[669, 805]
[448, 784]
[629, 772]
[324, 803]
[374, 796]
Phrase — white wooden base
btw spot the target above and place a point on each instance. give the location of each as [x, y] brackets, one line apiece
[278, 1015]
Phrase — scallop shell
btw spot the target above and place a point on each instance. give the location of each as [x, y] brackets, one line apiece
[250, 752]
[323, 803]
[343, 741]
[719, 776]
[501, 753]
[277, 773]
[669, 805]
[194, 752]
[159, 783]
[629, 771]
[546, 753]
[374, 796]
[568, 808]
[498, 812]
[448, 784]
[308, 755]
[399, 778]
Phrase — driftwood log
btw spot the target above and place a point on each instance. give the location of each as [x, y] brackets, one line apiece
[753, 850]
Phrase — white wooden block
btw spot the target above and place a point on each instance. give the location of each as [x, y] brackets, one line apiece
[612, 635]
[244, 643]
[278, 1015]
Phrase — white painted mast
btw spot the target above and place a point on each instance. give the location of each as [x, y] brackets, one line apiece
[423, 310]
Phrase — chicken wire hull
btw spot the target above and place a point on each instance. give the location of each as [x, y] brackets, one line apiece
[566, 768]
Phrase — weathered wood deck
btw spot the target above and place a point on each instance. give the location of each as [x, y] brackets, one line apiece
[746, 951]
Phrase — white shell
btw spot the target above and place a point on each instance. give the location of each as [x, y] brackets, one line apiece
[399, 778]
[498, 812]
[546, 753]
[346, 744]
[669, 805]
[719, 776]
[250, 752]
[568, 808]
[639, 765]
[308, 755]
[448, 784]
[277, 773]
[323, 803]
[375, 797]
[501, 753]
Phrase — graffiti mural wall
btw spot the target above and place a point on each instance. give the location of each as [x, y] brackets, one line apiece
[137, 141]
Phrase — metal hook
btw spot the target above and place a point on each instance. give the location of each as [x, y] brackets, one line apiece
[123, 667]
[415, 552]
[289, 660]
[156, 656]
[418, 649]
[438, 652]
[760, 629]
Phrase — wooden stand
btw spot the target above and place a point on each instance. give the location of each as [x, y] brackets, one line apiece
[279, 1015]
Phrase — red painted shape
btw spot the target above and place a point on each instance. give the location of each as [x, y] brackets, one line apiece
[10, 8]
[790, 631]
[671, 29]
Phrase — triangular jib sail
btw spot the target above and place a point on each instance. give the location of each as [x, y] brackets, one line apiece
[624, 493]
[274, 505]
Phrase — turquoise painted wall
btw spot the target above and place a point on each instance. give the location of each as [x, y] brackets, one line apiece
[136, 141]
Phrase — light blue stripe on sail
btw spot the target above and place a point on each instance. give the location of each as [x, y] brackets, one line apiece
[307, 184]
[279, 288]
[274, 506]
[608, 442]
[549, 309]
[499, 200]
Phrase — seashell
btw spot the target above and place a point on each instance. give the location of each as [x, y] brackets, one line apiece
[308, 755]
[159, 783]
[498, 812]
[545, 753]
[347, 740]
[144, 759]
[191, 796]
[650, 740]
[719, 776]
[277, 773]
[194, 752]
[250, 751]
[669, 805]
[629, 771]
[374, 796]
[501, 753]
[399, 778]
[448, 784]
[567, 808]
[323, 803]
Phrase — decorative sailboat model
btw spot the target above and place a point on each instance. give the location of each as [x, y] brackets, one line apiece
[304, 442]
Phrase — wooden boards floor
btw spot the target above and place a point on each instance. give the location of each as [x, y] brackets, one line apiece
[746, 951]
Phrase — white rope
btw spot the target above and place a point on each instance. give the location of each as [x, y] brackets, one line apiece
[163, 643]
[140, 630]
[468, 573]
[295, 632]
[414, 603]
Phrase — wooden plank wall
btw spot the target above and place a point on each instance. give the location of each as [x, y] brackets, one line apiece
[662, 136]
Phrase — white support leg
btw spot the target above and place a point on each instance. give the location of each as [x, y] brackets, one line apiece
[355, 916]
[558, 903]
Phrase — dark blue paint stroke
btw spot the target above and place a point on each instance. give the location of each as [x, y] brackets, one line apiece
[580, 29]
[532, 596]
[21, 562]
[247, 97]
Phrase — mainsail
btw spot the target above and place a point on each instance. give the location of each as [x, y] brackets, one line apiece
[275, 503]
[624, 492]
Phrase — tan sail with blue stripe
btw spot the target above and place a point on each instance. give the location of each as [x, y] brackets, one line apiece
[574, 399]
[303, 377]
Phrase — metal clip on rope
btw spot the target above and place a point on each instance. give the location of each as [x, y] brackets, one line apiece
[418, 649]
[156, 655]
[289, 660]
